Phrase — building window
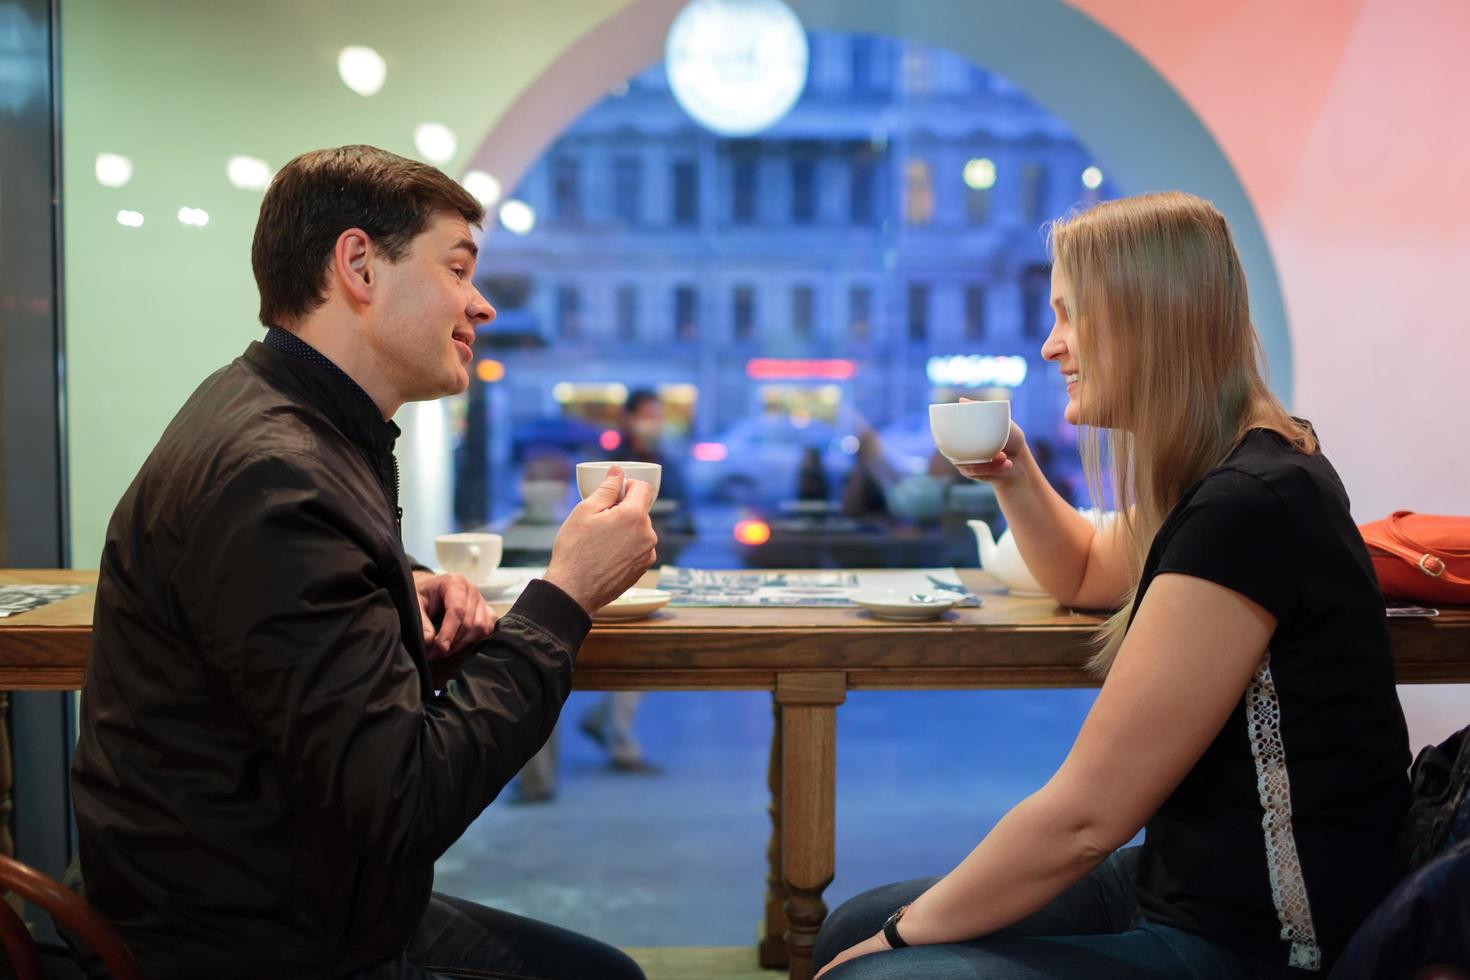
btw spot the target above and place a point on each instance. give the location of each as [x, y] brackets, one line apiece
[918, 312]
[1033, 192]
[686, 313]
[686, 192]
[742, 203]
[1036, 301]
[861, 206]
[803, 302]
[628, 189]
[918, 70]
[918, 204]
[977, 204]
[864, 66]
[860, 314]
[974, 312]
[803, 190]
[743, 313]
[566, 190]
[627, 304]
[569, 312]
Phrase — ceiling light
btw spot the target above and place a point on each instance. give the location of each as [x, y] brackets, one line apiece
[435, 141]
[517, 216]
[980, 174]
[248, 173]
[362, 69]
[113, 169]
[736, 66]
[483, 187]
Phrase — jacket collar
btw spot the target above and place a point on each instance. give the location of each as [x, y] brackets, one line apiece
[326, 388]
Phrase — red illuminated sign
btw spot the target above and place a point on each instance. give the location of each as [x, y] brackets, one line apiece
[777, 369]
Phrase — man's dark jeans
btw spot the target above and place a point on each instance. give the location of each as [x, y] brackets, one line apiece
[461, 939]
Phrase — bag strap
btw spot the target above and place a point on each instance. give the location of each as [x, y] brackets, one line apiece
[1395, 542]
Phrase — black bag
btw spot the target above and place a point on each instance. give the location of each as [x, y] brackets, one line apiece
[1440, 779]
[1425, 919]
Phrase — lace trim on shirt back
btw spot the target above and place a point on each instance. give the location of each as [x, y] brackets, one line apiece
[1288, 884]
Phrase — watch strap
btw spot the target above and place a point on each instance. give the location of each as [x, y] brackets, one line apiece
[890, 929]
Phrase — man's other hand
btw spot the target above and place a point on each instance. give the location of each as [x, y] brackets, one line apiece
[455, 615]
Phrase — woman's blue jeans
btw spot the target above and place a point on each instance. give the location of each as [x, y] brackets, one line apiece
[1091, 931]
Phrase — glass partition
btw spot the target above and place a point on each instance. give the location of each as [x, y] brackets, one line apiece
[769, 316]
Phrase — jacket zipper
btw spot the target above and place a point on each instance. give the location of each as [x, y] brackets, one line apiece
[397, 510]
[388, 480]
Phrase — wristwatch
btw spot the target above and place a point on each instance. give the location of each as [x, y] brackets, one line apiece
[890, 929]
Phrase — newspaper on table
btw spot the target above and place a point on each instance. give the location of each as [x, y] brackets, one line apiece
[23, 598]
[700, 587]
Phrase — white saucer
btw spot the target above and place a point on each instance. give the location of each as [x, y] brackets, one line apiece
[499, 582]
[898, 605]
[633, 604]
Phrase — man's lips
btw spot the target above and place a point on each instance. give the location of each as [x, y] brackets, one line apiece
[466, 343]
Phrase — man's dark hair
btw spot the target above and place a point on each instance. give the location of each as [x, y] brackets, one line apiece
[318, 196]
[637, 399]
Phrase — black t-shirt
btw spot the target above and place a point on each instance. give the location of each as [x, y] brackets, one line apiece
[1278, 842]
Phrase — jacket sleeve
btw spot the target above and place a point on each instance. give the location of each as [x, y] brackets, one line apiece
[279, 587]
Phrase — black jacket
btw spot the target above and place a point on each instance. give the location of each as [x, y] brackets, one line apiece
[265, 775]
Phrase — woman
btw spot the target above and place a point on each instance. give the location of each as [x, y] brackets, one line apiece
[1248, 716]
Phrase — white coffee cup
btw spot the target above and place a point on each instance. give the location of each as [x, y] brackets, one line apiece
[591, 475]
[970, 432]
[473, 554]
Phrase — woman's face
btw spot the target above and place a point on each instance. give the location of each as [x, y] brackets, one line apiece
[1061, 348]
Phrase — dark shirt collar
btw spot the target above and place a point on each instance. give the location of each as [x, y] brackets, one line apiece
[331, 390]
[288, 343]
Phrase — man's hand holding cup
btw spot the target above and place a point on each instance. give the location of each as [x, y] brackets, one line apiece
[606, 543]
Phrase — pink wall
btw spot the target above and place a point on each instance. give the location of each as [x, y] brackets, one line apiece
[1347, 123]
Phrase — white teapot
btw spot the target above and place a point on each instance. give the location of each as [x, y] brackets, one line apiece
[1003, 560]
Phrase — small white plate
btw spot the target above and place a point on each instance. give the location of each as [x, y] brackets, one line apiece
[499, 582]
[898, 605]
[633, 604]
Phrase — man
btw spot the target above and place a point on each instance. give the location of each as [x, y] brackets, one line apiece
[265, 773]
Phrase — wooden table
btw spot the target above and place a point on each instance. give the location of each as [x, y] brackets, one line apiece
[809, 658]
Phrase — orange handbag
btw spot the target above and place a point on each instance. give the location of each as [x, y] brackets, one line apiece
[1424, 557]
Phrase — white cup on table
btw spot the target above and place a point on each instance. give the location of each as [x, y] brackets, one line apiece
[473, 554]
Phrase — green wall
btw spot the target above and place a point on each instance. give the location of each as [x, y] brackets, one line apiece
[180, 88]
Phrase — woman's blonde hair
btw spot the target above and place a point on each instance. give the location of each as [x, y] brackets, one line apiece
[1171, 364]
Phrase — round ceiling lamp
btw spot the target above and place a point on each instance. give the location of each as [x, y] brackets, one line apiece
[736, 66]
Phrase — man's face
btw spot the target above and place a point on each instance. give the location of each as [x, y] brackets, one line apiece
[425, 312]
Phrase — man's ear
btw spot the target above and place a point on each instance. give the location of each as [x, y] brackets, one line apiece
[352, 265]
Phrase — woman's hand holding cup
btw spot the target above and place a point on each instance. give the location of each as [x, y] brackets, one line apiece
[1000, 469]
[979, 438]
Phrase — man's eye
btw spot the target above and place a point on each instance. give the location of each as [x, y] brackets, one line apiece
[458, 273]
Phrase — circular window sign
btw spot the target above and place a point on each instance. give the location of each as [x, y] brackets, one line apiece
[736, 66]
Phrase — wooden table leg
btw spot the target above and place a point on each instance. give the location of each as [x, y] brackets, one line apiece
[772, 950]
[808, 704]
